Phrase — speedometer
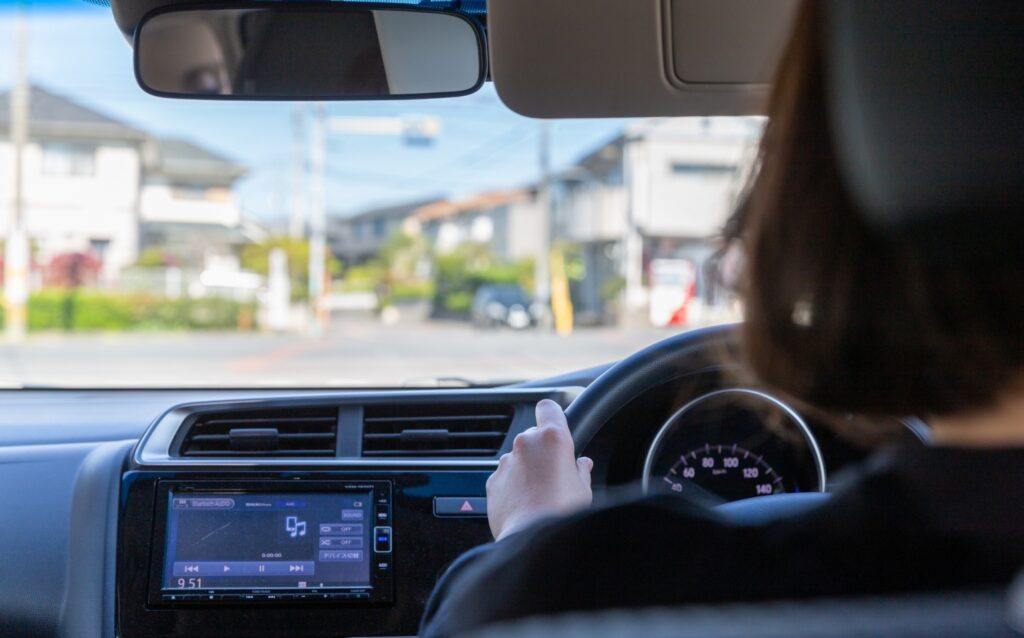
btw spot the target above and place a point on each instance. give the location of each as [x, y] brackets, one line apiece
[730, 472]
[733, 444]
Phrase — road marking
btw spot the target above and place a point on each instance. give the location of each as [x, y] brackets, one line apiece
[277, 355]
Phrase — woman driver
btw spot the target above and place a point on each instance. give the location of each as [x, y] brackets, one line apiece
[845, 318]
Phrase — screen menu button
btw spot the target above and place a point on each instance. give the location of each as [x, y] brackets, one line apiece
[382, 540]
[244, 568]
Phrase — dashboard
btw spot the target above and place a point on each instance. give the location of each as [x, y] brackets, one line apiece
[249, 513]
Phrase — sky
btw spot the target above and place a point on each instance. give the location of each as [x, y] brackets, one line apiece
[76, 50]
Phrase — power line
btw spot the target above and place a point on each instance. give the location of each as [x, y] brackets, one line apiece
[482, 152]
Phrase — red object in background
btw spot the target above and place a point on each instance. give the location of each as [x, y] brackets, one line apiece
[72, 270]
[679, 316]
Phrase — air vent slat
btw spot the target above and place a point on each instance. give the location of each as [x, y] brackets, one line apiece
[452, 435]
[435, 452]
[437, 419]
[268, 453]
[270, 420]
[445, 430]
[204, 438]
[279, 432]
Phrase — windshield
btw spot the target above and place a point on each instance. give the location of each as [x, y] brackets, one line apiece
[168, 243]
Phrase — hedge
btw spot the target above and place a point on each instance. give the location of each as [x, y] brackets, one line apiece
[94, 311]
[460, 273]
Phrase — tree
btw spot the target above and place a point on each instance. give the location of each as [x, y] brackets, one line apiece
[157, 257]
[462, 271]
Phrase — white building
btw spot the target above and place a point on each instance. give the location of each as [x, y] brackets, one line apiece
[508, 221]
[660, 191]
[187, 205]
[82, 175]
[94, 184]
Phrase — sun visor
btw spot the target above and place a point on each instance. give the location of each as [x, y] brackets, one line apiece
[636, 58]
[929, 103]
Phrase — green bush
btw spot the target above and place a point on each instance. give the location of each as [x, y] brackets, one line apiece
[412, 290]
[461, 272]
[458, 302]
[363, 278]
[95, 311]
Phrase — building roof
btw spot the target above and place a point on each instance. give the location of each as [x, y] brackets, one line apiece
[394, 211]
[181, 159]
[479, 202]
[607, 157]
[54, 115]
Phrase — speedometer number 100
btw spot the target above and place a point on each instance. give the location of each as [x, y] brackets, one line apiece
[726, 470]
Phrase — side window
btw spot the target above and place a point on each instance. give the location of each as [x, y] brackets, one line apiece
[64, 159]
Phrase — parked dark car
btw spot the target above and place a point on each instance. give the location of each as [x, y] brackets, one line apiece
[503, 305]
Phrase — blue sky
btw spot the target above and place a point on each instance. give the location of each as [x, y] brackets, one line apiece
[76, 50]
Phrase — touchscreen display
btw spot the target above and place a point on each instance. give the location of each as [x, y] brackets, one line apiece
[268, 541]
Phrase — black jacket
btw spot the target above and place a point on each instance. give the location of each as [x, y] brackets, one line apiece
[916, 519]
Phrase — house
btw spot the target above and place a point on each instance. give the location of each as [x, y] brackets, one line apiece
[187, 205]
[645, 208]
[360, 237]
[508, 221]
[82, 177]
[94, 184]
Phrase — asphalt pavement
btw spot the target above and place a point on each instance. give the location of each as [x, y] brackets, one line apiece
[352, 353]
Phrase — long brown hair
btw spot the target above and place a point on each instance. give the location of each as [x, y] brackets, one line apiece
[848, 317]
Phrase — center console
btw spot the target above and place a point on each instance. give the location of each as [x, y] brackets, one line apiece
[332, 553]
[323, 515]
[271, 541]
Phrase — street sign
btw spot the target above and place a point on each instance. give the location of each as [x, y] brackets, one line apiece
[414, 129]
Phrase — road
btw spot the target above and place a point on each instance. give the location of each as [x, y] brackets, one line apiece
[356, 353]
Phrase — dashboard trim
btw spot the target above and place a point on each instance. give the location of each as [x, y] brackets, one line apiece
[155, 448]
[805, 430]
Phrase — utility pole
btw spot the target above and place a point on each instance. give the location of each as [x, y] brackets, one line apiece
[416, 130]
[542, 265]
[318, 218]
[16, 248]
[297, 212]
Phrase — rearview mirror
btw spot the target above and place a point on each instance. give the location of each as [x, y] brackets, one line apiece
[307, 52]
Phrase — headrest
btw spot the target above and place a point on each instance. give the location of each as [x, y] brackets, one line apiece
[928, 105]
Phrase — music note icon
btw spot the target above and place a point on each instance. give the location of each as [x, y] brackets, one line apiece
[294, 526]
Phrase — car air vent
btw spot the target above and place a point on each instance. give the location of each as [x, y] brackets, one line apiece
[299, 432]
[435, 430]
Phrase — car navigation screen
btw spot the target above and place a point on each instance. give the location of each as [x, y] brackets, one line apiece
[272, 541]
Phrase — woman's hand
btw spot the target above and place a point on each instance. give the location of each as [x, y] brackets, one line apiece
[540, 477]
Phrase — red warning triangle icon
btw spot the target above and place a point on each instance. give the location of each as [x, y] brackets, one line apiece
[466, 507]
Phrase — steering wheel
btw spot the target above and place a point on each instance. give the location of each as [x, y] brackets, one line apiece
[664, 361]
[629, 378]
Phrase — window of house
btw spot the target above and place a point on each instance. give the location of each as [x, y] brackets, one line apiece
[99, 247]
[188, 191]
[364, 230]
[69, 158]
[691, 168]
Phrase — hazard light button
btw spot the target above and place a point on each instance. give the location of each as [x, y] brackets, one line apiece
[460, 506]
